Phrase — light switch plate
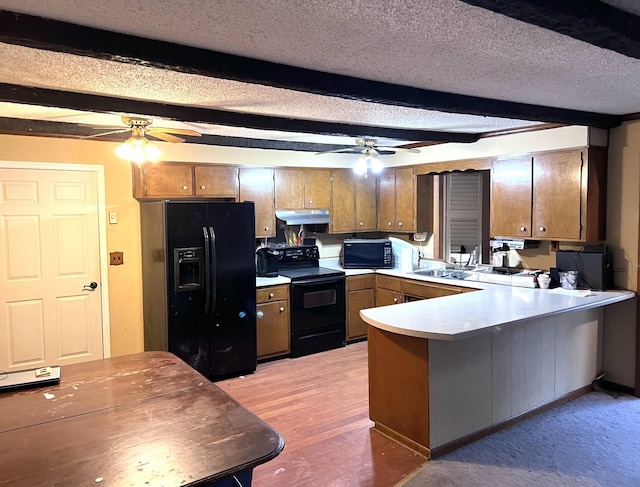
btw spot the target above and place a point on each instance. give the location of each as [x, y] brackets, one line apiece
[113, 217]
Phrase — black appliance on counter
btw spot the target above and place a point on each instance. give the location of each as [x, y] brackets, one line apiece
[318, 302]
[366, 253]
[593, 263]
[199, 277]
[267, 262]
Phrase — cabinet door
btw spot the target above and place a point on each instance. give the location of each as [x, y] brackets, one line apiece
[386, 297]
[557, 195]
[289, 187]
[416, 290]
[357, 300]
[167, 180]
[216, 181]
[387, 200]
[511, 190]
[272, 328]
[366, 214]
[405, 200]
[317, 188]
[256, 184]
[343, 204]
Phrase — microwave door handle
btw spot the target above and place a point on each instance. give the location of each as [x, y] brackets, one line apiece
[207, 276]
[214, 260]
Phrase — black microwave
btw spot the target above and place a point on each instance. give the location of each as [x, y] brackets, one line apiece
[367, 253]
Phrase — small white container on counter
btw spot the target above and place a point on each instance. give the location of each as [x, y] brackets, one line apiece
[544, 280]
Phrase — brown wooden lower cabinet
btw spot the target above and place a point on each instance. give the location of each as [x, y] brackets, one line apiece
[360, 295]
[394, 290]
[272, 324]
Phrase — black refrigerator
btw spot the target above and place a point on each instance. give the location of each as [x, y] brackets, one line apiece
[199, 284]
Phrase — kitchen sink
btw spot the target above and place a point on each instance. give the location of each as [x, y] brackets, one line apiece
[443, 273]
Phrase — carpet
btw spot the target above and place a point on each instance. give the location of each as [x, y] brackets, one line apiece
[593, 441]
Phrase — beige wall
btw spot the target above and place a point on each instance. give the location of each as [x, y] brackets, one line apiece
[125, 282]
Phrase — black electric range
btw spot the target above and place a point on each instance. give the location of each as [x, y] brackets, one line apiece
[318, 301]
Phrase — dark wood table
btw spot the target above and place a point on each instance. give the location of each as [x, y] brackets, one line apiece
[139, 420]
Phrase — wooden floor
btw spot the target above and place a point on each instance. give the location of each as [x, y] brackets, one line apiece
[319, 404]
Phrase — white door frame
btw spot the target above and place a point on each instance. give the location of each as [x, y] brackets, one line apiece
[102, 230]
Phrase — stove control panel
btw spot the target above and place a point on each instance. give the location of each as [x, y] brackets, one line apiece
[298, 253]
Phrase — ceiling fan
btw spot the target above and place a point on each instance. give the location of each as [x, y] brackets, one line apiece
[141, 126]
[137, 148]
[369, 147]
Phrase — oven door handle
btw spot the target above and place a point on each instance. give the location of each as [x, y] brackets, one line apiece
[315, 282]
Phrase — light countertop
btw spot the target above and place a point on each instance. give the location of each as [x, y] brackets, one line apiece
[271, 281]
[469, 314]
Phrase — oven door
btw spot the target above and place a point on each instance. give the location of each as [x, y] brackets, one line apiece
[317, 303]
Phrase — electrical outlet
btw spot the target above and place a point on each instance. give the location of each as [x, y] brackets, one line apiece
[116, 258]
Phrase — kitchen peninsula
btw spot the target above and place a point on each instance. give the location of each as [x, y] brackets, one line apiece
[444, 372]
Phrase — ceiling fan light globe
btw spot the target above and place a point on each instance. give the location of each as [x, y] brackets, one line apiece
[360, 166]
[376, 165]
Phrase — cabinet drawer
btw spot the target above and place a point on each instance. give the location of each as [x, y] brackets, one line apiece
[367, 281]
[272, 293]
[427, 291]
[386, 282]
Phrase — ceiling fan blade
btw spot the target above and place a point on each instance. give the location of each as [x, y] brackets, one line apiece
[163, 136]
[166, 130]
[384, 151]
[105, 133]
[415, 145]
[344, 150]
[401, 148]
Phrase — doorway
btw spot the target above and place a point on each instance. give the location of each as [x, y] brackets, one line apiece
[53, 279]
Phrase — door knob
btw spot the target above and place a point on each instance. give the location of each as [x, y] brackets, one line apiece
[92, 285]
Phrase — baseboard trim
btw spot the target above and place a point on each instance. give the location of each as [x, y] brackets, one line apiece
[494, 428]
[403, 440]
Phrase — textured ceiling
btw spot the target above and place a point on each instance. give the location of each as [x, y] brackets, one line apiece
[441, 45]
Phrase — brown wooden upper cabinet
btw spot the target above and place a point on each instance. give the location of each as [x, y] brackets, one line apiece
[216, 181]
[554, 196]
[297, 189]
[162, 181]
[178, 180]
[256, 184]
[353, 202]
[511, 196]
[397, 200]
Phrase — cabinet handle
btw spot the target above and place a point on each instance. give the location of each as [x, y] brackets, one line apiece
[523, 229]
[270, 295]
[310, 202]
[266, 229]
[281, 309]
[542, 229]
[399, 224]
[203, 187]
[389, 223]
[395, 300]
[260, 314]
[361, 224]
[185, 187]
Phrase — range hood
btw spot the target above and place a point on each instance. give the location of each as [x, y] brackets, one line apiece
[303, 217]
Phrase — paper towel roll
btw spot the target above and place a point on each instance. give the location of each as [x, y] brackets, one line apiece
[406, 257]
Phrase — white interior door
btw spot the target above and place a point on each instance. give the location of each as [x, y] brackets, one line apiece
[50, 255]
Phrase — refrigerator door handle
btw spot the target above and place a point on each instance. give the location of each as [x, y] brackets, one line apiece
[207, 275]
[213, 278]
